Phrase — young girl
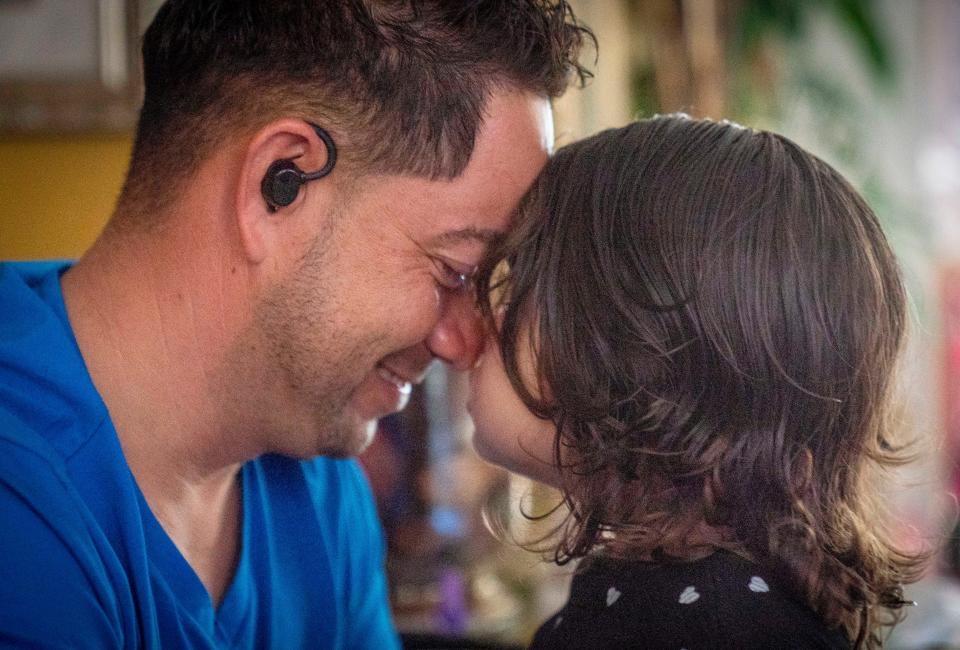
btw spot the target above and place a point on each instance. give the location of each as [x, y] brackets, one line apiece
[697, 333]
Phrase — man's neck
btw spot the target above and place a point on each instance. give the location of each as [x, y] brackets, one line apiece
[140, 328]
[143, 322]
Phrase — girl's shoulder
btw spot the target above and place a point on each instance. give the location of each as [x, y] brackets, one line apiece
[720, 601]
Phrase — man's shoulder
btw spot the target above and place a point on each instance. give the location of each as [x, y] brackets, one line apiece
[55, 587]
[35, 485]
[44, 383]
[24, 300]
[24, 453]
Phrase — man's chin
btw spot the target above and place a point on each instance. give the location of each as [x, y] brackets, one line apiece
[367, 431]
[357, 425]
[354, 437]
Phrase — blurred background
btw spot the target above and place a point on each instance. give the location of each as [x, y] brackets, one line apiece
[871, 86]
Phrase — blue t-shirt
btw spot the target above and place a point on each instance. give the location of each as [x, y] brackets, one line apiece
[85, 564]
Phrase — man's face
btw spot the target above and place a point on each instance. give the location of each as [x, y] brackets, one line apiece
[379, 293]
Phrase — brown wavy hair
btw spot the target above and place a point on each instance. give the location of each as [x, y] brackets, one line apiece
[716, 317]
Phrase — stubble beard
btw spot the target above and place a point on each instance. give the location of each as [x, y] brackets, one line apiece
[317, 367]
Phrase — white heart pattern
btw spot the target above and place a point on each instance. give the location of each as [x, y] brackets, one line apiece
[557, 622]
[689, 595]
[758, 585]
[612, 595]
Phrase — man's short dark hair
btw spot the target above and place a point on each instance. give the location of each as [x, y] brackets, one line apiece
[402, 85]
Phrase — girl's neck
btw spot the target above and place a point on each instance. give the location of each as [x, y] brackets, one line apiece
[698, 542]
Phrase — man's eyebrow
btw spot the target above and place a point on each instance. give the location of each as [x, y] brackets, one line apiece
[482, 235]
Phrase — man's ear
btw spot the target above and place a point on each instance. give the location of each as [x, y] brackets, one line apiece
[261, 228]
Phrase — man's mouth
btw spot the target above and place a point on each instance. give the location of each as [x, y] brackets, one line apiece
[404, 385]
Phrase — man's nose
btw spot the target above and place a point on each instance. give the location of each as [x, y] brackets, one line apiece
[458, 336]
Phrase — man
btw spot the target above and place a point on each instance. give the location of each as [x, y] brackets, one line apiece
[311, 186]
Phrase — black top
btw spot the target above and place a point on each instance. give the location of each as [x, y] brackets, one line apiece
[721, 601]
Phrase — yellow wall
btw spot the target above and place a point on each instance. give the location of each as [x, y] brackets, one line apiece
[56, 192]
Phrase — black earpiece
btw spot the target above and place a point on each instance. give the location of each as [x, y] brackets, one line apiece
[281, 183]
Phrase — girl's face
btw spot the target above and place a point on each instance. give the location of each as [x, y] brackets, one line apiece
[506, 432]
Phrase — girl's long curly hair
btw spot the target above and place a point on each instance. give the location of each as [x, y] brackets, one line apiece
[716, 317]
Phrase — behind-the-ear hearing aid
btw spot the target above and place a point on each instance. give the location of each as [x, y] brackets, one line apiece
[281, 183]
